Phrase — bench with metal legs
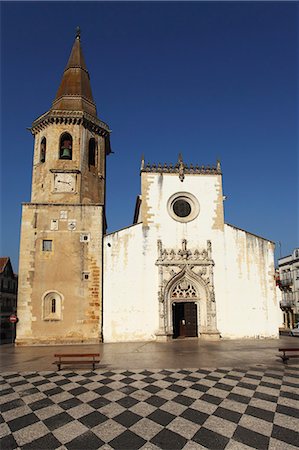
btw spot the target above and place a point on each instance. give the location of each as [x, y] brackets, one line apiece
[76, 358]
[285, 356]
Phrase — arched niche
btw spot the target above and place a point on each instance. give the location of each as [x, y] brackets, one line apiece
[52, 306]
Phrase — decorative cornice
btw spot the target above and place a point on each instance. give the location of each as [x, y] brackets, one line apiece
[85, 205]
[184, 256]
[181, 168]
[70, 117]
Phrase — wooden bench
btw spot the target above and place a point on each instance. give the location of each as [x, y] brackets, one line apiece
[77, 358]
[286, 350]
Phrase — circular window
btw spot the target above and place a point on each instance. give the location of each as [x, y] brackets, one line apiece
[183, 207]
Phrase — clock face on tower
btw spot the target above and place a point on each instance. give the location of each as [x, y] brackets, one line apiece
[64, 182]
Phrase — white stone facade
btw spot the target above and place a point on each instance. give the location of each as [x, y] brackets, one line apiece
[165, 260]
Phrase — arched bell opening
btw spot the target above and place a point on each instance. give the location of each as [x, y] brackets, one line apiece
[65, 146]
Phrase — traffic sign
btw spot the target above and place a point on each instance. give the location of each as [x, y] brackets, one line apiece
[13, 318]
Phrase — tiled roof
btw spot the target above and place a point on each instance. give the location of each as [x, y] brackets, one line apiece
[74, 92]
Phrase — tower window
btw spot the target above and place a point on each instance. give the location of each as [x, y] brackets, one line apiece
[43, 146]
[92, 152]
[52, 306]
[84, 237]
[47, 245]
[65, 147]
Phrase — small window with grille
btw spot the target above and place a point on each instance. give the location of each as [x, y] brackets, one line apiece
[84, 237]
[47, 245]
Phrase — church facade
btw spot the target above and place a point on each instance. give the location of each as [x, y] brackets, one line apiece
[181, 271]
[178, 271]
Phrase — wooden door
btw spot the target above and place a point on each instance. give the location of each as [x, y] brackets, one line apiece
[190, 316]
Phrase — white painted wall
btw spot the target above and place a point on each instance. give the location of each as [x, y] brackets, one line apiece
[130, 307]
[243, 273]
[251, 307]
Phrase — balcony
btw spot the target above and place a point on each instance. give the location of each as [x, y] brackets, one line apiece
[287, 304]
[286, 282]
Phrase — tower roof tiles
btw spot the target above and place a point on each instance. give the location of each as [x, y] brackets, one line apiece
[74, 92]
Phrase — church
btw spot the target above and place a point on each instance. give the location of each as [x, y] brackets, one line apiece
[179, 271]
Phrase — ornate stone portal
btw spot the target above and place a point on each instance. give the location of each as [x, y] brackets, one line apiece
[186, 276]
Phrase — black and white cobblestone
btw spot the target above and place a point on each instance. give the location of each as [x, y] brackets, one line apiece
[151, 409]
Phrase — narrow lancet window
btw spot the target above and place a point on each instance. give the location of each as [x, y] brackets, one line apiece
[65, 147]
[92, 152]
[43, 146]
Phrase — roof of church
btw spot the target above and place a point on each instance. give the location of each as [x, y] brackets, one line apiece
[248, 232]
[74, 92]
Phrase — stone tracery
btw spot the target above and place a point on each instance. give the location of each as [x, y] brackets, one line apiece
[182, 274]
[184, 289]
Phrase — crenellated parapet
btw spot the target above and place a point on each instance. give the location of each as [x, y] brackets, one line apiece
[181, 168]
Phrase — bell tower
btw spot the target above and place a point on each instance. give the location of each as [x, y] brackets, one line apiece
[60, 272]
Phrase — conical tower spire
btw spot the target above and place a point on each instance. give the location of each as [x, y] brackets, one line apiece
[74, 92]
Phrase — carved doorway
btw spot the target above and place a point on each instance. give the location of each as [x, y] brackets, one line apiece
[184, 315]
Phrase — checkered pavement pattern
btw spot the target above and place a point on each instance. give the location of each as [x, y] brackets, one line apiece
[190, 409]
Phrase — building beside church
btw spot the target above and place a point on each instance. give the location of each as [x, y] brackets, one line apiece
[178, 271]
[8, 300]
[288, 283]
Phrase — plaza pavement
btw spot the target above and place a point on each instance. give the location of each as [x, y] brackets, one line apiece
[182, 394]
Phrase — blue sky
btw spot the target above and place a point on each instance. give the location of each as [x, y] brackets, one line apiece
[207, 79]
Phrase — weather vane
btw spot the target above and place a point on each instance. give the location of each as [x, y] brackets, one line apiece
[78, 32]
